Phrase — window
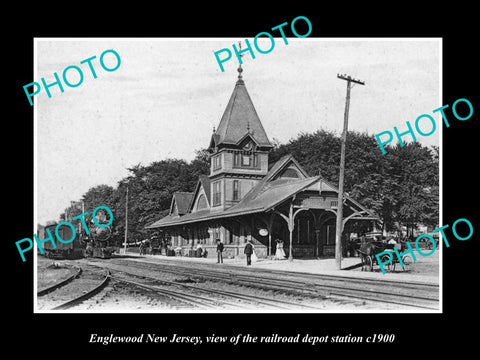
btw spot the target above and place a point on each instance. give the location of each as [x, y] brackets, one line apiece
[330, 235]
[217, 193]
[217, 162]
[233, 234]
[245, 160]
[216, 234]
[174, 240]
[236, 159]
[236, 192]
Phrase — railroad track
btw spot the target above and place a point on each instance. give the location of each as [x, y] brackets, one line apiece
[204, 302]
[59, 284]
[406, 294]
[189, 299]
[95, 286]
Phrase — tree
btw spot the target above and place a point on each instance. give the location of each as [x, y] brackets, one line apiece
[318, 153]
[400, 186]
[201, 164]
[150, 190]
[101, 195]
[418, 171]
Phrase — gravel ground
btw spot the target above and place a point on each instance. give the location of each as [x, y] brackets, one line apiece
[61, 269]
[121, 297]
[318, 302]
[425, 269]
[50, 272]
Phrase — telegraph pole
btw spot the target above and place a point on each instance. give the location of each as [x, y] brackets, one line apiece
[126, 222]
[79, 225]
[339, 225]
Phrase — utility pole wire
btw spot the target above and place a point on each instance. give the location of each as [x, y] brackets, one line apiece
[340, 224]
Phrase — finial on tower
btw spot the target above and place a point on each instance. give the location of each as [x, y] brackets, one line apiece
[240, 62]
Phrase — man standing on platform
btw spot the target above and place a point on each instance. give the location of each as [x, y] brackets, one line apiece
[219, 251]
[248, 251]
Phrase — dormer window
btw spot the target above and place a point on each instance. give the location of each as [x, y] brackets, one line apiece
[248, 146]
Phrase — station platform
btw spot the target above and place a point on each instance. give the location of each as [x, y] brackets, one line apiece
[424, 270]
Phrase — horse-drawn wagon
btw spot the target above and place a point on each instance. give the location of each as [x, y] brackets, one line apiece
[369, 250]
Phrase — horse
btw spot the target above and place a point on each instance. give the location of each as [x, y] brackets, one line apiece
[367, 252]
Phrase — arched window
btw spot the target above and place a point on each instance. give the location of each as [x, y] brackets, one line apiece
[202, 202]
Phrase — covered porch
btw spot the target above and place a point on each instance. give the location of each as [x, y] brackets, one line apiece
[303, 218]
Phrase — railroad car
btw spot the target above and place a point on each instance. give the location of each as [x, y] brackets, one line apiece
[71, 250]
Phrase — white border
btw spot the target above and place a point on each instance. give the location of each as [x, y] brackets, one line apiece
[230, 41]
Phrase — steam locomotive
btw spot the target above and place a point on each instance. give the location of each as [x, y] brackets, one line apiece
[98, 242]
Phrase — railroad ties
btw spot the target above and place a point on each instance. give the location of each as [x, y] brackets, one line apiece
[160, 285]
[317, 288]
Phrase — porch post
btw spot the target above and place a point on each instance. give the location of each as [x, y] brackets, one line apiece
[317, 238]
[252, 229]
[270, 227]
[269, 242]
[291, 225]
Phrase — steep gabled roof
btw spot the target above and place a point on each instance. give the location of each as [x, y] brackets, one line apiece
[240, 118]
[274, 194]
[180, 202]
[267, 194]
[267, 200]
[204, 183]
[281, 164]
[274, 171]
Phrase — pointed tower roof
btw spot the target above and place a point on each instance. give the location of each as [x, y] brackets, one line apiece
[240, 119]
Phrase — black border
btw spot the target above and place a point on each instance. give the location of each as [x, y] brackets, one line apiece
[71, 331]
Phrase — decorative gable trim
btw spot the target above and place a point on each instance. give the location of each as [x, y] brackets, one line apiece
[198, 195]
[244, 139]
[284, 163]
[199, 190]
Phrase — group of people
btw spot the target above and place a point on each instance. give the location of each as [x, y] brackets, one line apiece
[144, 248]
[249, 251]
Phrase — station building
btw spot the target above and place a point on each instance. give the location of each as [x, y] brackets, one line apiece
[246, 198]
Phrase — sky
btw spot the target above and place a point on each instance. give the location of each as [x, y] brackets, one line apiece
[168, 94]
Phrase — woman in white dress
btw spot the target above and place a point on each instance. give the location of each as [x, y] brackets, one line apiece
[279, 253]
[254, 255]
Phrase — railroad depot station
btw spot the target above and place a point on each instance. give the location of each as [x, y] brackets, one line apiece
[246, 198]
